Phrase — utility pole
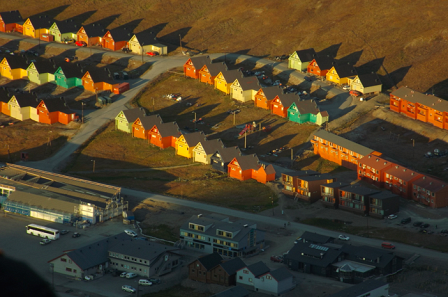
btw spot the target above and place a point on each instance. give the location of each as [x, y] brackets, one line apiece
[292, 157]
[82, 112]
[194, 121]
[245, 133]
[153, 105]
[142, 52]
[234, 114]
[93, 169]
[180, 42]
[413, 143]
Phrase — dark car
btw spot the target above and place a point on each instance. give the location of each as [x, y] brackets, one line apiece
[417, 224]
[76, 234]
[405, 221]
[424, 226]
[63, 232]
[155, 281]
[444, 231]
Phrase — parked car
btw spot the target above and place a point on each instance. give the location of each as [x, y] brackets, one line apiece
[131, 233]
[63, 232]
[76, 234]
[387, 245]
[392, 217]
[89, 277]
[155, 281]
[346, 87]
[144, 282]
[45, 241]
[405, 221]
[152, 54]
[128, 289]
[355, 93]
[131, 275]
[343, 237]
[123, 274]
[444, 231]
[417, 224]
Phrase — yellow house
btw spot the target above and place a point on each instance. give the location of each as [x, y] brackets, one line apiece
[341, 74]
[24, 107]
[366, 84]
[146, 41]
[244, 89]
[224, 80]
[187, 142]
[37, 25]
[204, 150]
[14, 67]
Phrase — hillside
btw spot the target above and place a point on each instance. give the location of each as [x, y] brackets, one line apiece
[409, 38]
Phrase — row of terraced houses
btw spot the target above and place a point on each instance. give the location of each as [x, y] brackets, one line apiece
[194, 146]
[94, 34]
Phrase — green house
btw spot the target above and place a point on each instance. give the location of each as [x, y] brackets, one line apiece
[64, 30]
[125, 119]
[307, 111]
[299, 60]
[68, 76]
[41, 72]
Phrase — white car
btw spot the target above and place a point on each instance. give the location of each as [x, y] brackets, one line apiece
[128, 289]
[346, 87]
[123, 274]
[343, 237]
[89, 277]
[131, 233]
[45, 241]
[131, 275]
[392, 216]
[144, 282]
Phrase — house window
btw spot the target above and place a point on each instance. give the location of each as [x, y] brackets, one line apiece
[68, 269]
[63, 260]
[268, 277]
[250, 280]
[240, 277]
[192, 270]
[246, 271]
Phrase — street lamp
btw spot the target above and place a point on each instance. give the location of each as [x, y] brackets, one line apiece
[194, 120]
[142, 52]
[82, 112]
[93, 169]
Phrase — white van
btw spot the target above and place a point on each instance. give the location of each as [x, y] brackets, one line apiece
[144, 282]
[131, 233]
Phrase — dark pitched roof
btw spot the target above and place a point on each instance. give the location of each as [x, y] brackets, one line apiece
[228, 153]
[316, 177]
[307, 107]
[71, 70]
[360, 289]
[146, 37]
[17, 61]
[121, 34]
[281, 274]
[345, 70]
[271, 92]
[368, 255]
[236, 291]
[150, 121]
[370, 79]
[306, 55]
[192, 139]
[94, 30]
[313, 254]
[233, 265]
[402, 172]
[316, 238]
[336, 185]
[258, 268]
[100, 75]
[210, 261]
[67, 26]
[269, 169]
[288, 99]
[27, 99]
[200, 61]
[211, 146]
[10, 17]
[353, 146]
[359, 190]
[148, 250]
[301, 173]
[324, 62]
[375, 162]
[249, 83]
[41, 21]
[417, 97]
[133, 114]
[5, 95]
[231, 75]
[430, 184]
[248, 162]
[383, 195]
[57, 104]
[169, 129]
[216, 68]
[45, 66]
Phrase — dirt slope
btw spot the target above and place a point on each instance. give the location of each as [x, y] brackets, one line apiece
[408, 37]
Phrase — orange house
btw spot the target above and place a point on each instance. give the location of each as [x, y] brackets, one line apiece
[11, 21]
[371, 169]
[208, 72]
[282, 102]
[430, 191]
[5, 96]
[241, 167]
[320, 65]
[142, 126]
[117, 38]
[55, 110]
[193, 65]
[164, 135]
[91, 34]
[398, 180]
[265, 96]
[264, 174]
[98, 79]
[340, 150]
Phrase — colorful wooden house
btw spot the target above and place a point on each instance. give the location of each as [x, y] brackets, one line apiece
[430, 191]
[68, 75]
[341, 74]
[126, 118]
[187, 142]
[225, 79]
[264, 173]
[304, 186]
[264, 97]
[221, 159]
[91, 34]
[244, 89]
[37, 25]
[208, 72]
[117, 38]
[24, 106]
[64, 30]
[11, 21]
[146, 42]
[204, 150]
[320, 65]
[41, 72]
[55, 110]
[371, 169]
[399, 179]
[98, 79]
[143, 125]
[193, 65]
[5, 96]
[14, 67]
[366, 83]
[165, 135]
[299, 60]
[282, 102]
[307, 111]
[241, 167]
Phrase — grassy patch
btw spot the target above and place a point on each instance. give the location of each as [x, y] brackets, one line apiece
[178, 291]
[316, 163]
[162, 231]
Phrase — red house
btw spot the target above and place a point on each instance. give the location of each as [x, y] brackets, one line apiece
[320, 65]
[11, 21]
[371, 169]
[117, 38]
[55, 111]
[430, 191]
[398, 180]
[164, 135]
[142, 126]
[193, 65]
[264, 174]
[264, 97]
[282, 102]
[208, 72]
[241, 167]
